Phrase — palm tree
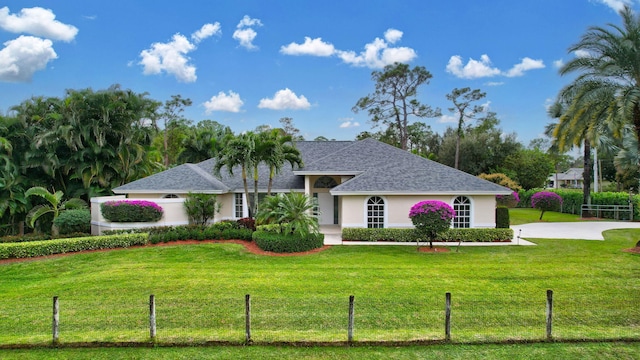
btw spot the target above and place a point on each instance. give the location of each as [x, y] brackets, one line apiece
[280, 150]
[292, 211]
[608, 75]
[55, 206]
[237, 151]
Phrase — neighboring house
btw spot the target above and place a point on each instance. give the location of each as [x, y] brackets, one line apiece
[570, 179]
[363, 183]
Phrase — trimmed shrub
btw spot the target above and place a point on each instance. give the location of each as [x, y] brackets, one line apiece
[38, 237]
[501, 179]
[131, 211]
[212, 232]
[201, 208]
[60, 246]
[546, 201]
[430, 218]
[502, 217]
[247, 223]
[73, 221]
[287, 243]
[408, 235]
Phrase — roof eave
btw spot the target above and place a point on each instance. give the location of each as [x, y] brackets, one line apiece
[318, 172]
[452, 193]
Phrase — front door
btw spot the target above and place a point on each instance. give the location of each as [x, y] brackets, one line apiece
[325, 205]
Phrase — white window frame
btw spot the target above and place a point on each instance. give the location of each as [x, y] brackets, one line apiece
[384, 212]
[465, 220]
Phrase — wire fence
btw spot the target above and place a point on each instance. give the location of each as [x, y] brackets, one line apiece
[461, 318]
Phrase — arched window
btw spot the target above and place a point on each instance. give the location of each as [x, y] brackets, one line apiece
[171, 196]
[462, 207]
[375, 212]
[325, 182]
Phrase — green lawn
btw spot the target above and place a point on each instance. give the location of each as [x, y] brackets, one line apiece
[498, 293]
[582, 351]
[519, 216]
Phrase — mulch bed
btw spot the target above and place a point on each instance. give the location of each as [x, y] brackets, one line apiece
[251, 246]
[435, 249]
[635, 250]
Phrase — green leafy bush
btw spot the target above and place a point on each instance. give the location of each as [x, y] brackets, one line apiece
[502, 217]
[60, 246]
[201, 208]
[212, 232]
[38, 237]
[131, 211]
[408, 235]
[430, 218]
[73, 221]
[287, 243]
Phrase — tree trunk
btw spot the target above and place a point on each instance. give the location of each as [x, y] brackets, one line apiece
[586, 177]
[457, 157]
[246, 190]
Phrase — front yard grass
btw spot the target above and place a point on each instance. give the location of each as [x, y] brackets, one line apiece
[498, 293]
[519, 216]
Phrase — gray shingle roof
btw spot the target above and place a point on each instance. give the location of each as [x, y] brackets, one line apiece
[178, 180]
[379, 169]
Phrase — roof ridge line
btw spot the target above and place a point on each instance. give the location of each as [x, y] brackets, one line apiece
[205, 175]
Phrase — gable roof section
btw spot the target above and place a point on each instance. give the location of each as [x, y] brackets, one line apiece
[178, 180]
[384, 169]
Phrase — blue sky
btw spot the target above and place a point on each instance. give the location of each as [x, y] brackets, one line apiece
[248, 63]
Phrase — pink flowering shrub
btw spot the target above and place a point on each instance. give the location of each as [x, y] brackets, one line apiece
[431, 217]
[509, 201]
[131, 211]
[546, 201]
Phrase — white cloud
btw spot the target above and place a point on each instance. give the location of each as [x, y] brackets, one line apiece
[525, 65]
[224, 102]
[171, 58]
[22, 57]
[616, 5]
[474, 68]
[285, 99]
[37, 21]
[349, 124]
[314, 47]
[582, 53]
[393, 35]
[245, 33]
[444, 119]
[377, 54]
[494, 83]
[247, 21]
[206, 31]
[558, 63]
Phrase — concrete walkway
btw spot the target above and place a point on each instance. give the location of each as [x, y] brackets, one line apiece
[585, 230]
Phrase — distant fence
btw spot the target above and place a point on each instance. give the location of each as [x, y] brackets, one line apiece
[255, 320]
[616, 212]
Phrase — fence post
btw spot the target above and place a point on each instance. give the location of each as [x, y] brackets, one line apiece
[549, 314]
[447, 316]
[247, 315]
[152, 317]
[56, 321]
[351, 319]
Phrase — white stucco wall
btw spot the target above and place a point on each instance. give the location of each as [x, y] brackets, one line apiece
[353, 209]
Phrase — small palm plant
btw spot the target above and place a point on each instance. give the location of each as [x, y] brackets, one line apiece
[293, 211]
[55, 206]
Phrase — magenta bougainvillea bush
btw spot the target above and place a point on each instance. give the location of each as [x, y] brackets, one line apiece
[131, 211]
[431, 217]
[546, 201]
[510, 200]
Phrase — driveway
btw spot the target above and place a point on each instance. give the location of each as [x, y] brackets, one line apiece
[586, 230]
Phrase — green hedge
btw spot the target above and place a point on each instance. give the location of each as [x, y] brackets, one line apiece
[74, 221]
[409, 235]
[289, 243]
[572, 200]
[60, 246]
[38, 237]
[502, 217]
[178, 233]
